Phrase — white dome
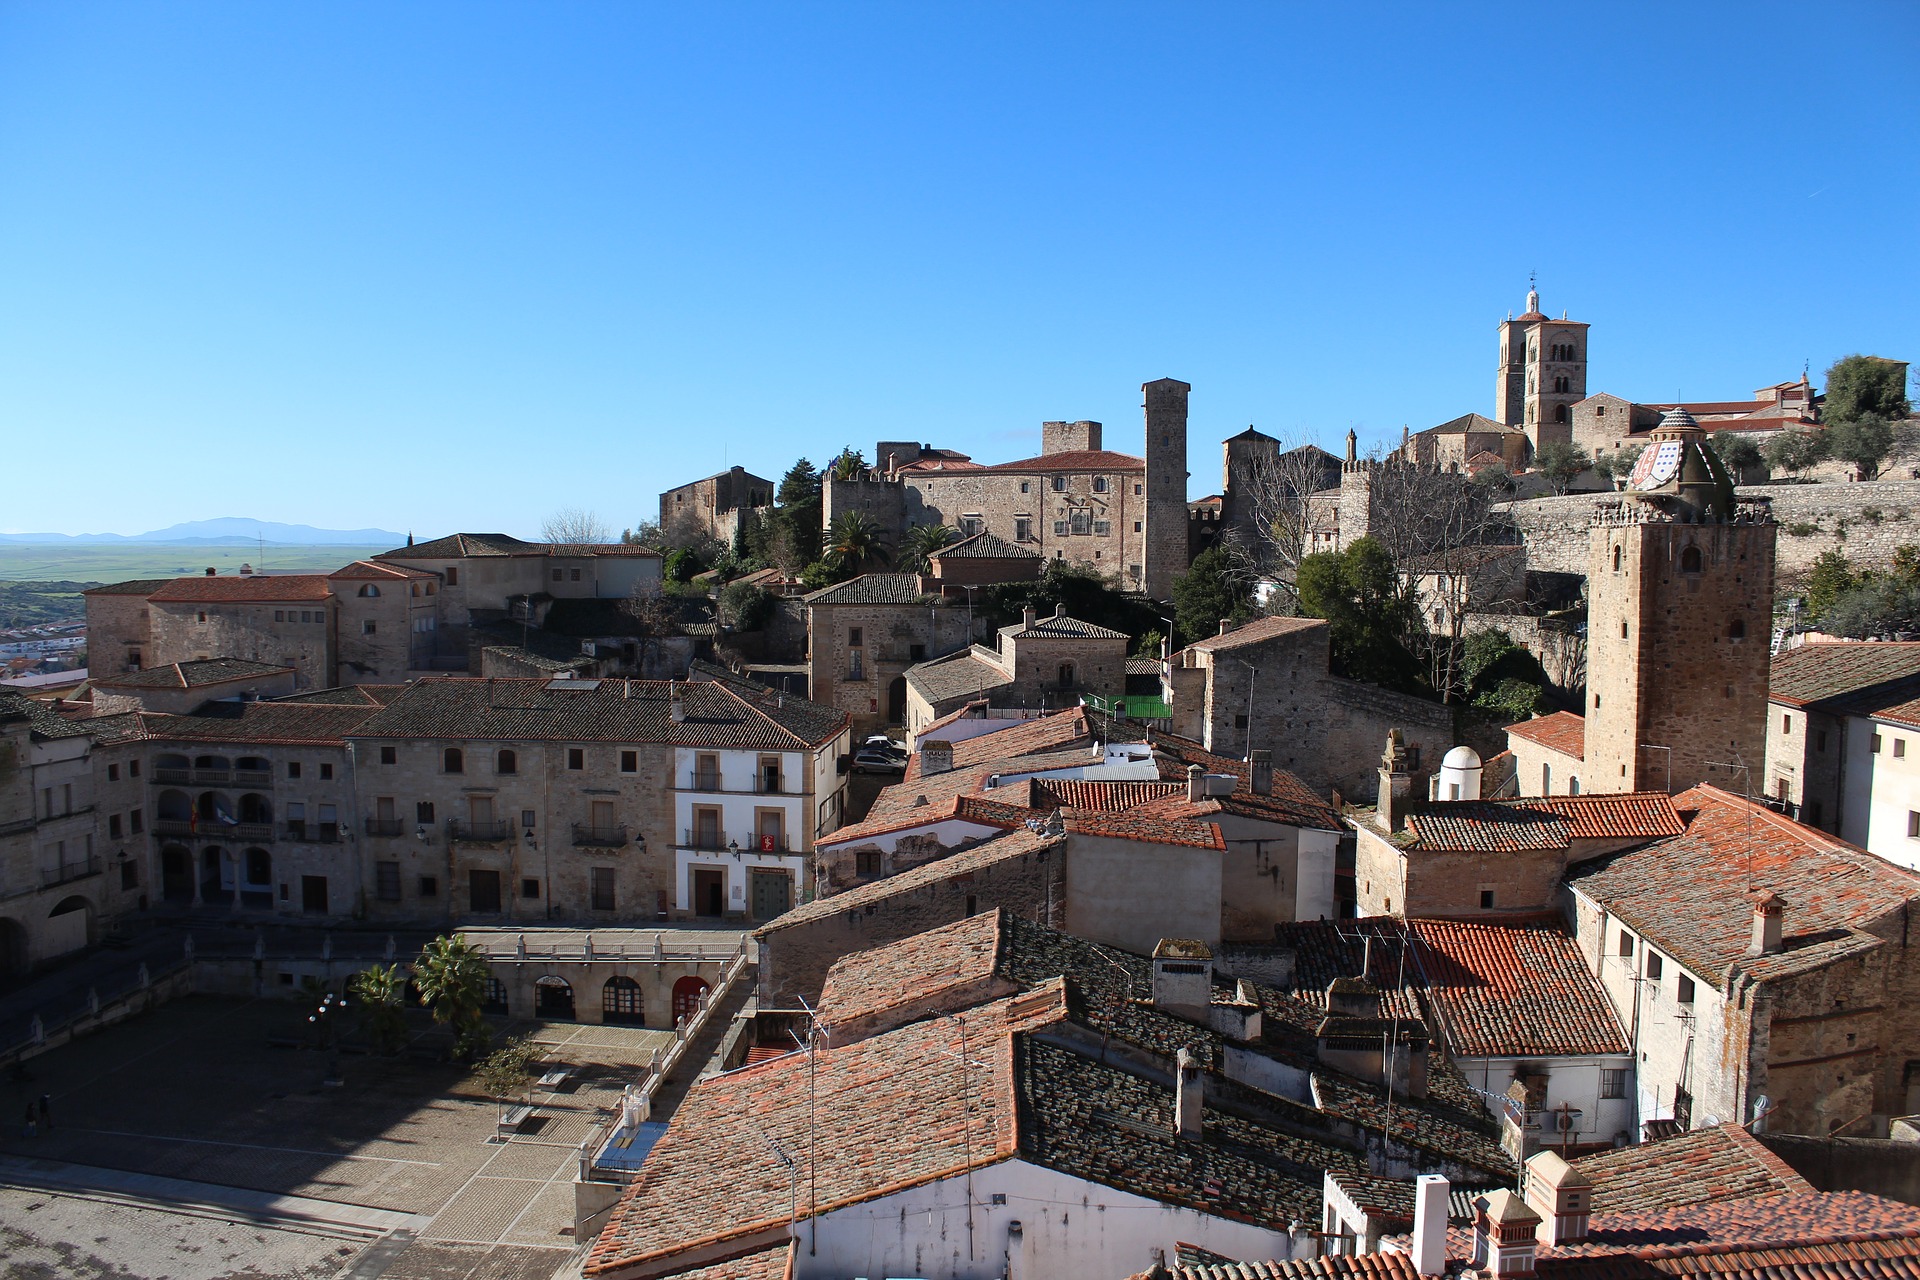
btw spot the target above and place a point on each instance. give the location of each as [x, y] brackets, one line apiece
[1462, 758]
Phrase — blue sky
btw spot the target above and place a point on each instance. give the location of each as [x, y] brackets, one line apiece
[453, 266]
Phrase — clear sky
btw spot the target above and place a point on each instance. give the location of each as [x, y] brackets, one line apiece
[453, 266]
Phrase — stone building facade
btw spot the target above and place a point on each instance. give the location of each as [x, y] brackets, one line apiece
[389, 621]
[1038, 663]
[714, 505]
[288, 621]
[1543, 373]
[120, 626]
[864, 634]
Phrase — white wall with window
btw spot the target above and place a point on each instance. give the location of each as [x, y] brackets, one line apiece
[1881, 802]
[739, 816]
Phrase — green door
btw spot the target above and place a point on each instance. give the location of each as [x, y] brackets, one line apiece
[772, 894]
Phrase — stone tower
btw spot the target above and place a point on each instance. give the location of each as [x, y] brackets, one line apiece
[1166, 455]
[1543, 372]
[1679, 616]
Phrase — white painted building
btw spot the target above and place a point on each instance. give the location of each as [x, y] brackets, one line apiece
[744, 830]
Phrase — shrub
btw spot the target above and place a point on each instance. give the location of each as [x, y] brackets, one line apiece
[1801, 529]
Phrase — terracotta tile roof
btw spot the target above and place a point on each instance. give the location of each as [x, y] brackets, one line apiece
[982, 546]
[956, 675]
[1259, 631]
[1485, 826]
[1146, 830]
[350, 695]
[245, 589]
[1817, 673]
[886, 1116]
[1562, 731]
[914, 972]
[1688, 895]
[1060, 624]
[935, 466]
[1143, 666]
[1048, 733]
[1020, 843]
[903, 798]
[1361, 1266]
[1076, 460]
[1095, 796]
[1705, 1166]
[43, 720]
[260, 722]
[1903, 713]
[1492, 989]
[762, 1262]
[192, 675]
[459, 546]
[958, 807]
[610, 710]
[1287, 800]
[134, 587]
[368, 569]
[871, 588]
[1630, 815]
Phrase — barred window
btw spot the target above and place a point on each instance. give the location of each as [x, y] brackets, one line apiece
[386, 881]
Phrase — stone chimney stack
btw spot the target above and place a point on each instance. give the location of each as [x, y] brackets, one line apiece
[1196, 784]
[1189, 1097]
[1769, 922]
[936, 757]
[1430, 1224]
[211, 571]
[1561, 1195]
[1029, 616]
[676, 708]
[1226, 625]
[1260, 771]
[1503, 1236]
[1183, 978]
[1396, 784]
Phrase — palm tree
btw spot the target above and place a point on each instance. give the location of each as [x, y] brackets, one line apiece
[857, 541]
[382, 992]
[452, 977]
[848, 465]
[921, 542]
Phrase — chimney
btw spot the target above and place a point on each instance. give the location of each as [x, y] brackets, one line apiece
[1060, 609]
[1226, 625]
[1260, 771]
[1430, 1224]
[1196, 784]
[1769, 920]
[1396, 784]
[936, 757]
[210, 571]
[1183, 978]
[676, 709]
[1561, 1195]
[1188, 1097]
[246, 571]
[1503, 1239]
[1028, 616]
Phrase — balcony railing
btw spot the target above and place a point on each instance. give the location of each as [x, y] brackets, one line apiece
[711, 841]
[253, 777]
[165, 777]
[487, 832]
[717, 842]
[761, 785]
[213, 775]
[174, 827]
[588, 836]
[257, 831]
[61, 873]
[386, 827]
[313, 832]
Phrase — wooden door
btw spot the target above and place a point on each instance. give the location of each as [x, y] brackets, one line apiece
[483, 892]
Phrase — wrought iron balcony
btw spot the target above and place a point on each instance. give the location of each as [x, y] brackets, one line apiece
[588, 836]
[482, 832]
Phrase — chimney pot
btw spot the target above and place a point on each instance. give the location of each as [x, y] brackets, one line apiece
[1189, 1097]
[1029, 616]
[1769, 923]
[1260, 772]
[935, 757]
[210, 571]
[1226, 625]
[1196, 784]
[1430, 1224]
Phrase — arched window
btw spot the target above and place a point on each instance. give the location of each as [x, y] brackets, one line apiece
[687, 994]
[1560, 411]
[496, 1001]
[1690, 560]
[1616, 559]
[368, 589]
[621, 1003]
[506, 762]
[1066, 675]
[452, 761]
[1737, 630]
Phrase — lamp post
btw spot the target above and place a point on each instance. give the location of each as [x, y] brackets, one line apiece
[322, 1019]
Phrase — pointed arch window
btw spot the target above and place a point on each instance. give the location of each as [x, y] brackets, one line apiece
[1690, 560]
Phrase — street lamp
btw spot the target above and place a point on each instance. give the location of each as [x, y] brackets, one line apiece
[323, 1026]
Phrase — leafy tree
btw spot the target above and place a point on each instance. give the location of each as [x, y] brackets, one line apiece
[1503, 676]
[1494, 478]
[820, 574]
[1358, 592]
[681, 564]
[752, 541]
[1147, 644]
[857, 543]
[1795, 451]
[1739, 453]
[1862, 386]
[1562, 462]
[647, 533]
[744, 606]
[452, 977]
[1830, 578]
[1619, 464]
[1864, 441]
[921, 542]
[1076, 589]
[1218, 584]
[382, 992]
[508, 1070]
[1513, 700]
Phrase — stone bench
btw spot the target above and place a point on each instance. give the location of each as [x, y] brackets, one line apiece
[514, 1117]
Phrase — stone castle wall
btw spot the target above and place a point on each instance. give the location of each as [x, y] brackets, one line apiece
[1866, 522]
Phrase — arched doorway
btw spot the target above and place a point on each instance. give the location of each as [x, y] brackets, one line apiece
[69, 926]
[257, 888]
[897, 700]
[621, 1004]
[176, 873]
[686, 997]
[553, 998]
[13, 949]
[496, 1001]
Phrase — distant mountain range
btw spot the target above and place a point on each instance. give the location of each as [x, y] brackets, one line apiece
[230, 531]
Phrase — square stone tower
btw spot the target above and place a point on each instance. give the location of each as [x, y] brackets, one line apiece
[1543, 372]
[1166, 455]
[1679, 615]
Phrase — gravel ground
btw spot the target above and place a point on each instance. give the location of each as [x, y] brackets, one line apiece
[58, 1237]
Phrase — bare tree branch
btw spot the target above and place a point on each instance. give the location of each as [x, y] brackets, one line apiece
[575, 527]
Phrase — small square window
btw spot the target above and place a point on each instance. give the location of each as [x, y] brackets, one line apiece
[1626, 943]
[1026, 486]
[1683, 989]
[576, 758]
[423, 811]
[855, 638]
[279, 615]
[388, 755]
[429, 886]
[1138, 490]
[1899, 748]
[293, 768]
[1059, 484]
[326, 772]
[113, 773]
[1486, 899]
[526, 819]
[529, 888]
[1874, 746]
[1655, 965]
[368, 628]
[629, 762]
[1613, 1082]
[1913, 825]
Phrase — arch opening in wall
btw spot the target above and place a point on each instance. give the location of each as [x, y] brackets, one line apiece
[13, 948]
[1737, 629]
[687, 994]
[553, 998]
[453, 761]
[1616, 559]
[621, 1003]
[1691, 560]
[496, 999]
[505, 762]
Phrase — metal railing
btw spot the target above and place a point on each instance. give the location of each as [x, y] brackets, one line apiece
[717, 842]
[587, 835]
[386, 827]
[253, 777]
[65, 871]
[713, 782]
[710, 841]
[487, 832]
